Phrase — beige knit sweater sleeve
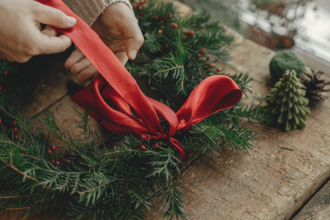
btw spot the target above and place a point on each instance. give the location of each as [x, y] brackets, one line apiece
[89, 10]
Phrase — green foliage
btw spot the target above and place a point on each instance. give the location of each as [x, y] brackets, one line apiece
[121, 180]
[287, 102]
[174, 60]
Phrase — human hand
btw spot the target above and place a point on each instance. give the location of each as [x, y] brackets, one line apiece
[21, 36]
[119, 30]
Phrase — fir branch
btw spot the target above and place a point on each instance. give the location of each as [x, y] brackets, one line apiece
[96, 188]
[12, 197]
[49, 121]
[25, 175]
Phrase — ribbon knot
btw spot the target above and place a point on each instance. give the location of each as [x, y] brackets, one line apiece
[114, 93]
[175, 143]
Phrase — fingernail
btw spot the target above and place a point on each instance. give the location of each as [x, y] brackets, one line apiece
[72, 21]
[132, 54]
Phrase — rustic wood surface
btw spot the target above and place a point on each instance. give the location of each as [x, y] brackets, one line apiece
[318, 208]
[269, 183]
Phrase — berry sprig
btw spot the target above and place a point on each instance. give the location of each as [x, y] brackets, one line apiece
[210, 66]
[67, 157]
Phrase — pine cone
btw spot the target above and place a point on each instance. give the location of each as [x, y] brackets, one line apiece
[314, 86]
[287, 102]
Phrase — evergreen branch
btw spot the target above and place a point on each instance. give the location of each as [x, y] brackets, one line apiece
[21, 208]
[53, 127]
[20, 172]
[30, 157]
[99, 164]
[96, 188]
[11, 197]
[167, 70]
[118, 152]
[12, 143]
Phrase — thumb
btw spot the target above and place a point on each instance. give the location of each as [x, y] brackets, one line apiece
[54, 17]
[134, 38]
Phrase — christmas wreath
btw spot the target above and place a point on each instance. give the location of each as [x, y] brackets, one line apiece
[91, 180]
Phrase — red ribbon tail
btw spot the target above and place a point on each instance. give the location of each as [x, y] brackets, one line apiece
[178, 146]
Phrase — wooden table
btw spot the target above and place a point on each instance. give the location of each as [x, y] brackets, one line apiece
[269, 183]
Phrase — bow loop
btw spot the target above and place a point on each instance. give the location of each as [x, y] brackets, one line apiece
[215, 93]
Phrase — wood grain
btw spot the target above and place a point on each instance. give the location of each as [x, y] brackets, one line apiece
[318, 208]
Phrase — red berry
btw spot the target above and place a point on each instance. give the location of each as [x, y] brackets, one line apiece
[174, 26]
[208, 70]
[67, 153]
[160, 143]
[2, 59]
[191, 33]
[0, 121]
[168, 22]
[134, 6]
[53, 148]
[162, 17]
[141, 2]
[160, 31]
[212, 64]
[0, 88]
[13, 123]
[132, 1]
[184, 37]
[219, 69]
[145, 1]
[202, 51]
[198, 55]
[16, 136]
[142, 147]
[155, 145]
[169, 15]
[148, 138]
[185, 32]
[156, 18]
[208, 58]
[52, 161]
[5, 72]
[57, 163]
[140, 7]
[141, 12]
[50, 151]
[15, 130]
[68, 162]
[143, 136]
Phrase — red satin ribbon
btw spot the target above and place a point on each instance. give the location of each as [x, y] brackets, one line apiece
[114, 92]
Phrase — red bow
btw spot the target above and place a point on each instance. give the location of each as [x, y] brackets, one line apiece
[113, 93]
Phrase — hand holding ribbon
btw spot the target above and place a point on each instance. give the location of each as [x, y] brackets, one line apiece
[114, 93]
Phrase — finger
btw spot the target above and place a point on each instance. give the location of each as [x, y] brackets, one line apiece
[74, 58]
[51, 16]
[87, 74]
[80, 66]
[53, 44]
[134, 36]
[50, 31]
[122, 57]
